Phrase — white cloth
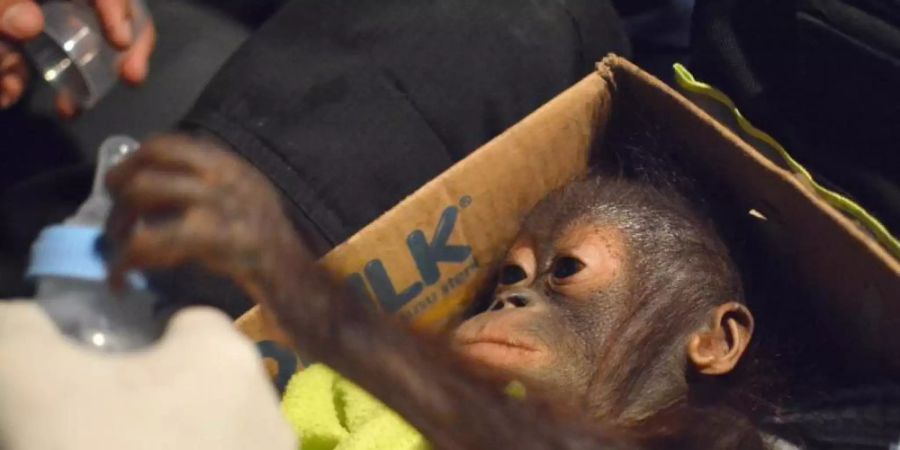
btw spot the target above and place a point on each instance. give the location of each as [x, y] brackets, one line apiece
[201, 387]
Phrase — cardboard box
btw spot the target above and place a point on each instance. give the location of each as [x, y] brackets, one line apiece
[429, 256]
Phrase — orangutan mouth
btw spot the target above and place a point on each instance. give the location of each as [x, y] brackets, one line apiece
[501, 342]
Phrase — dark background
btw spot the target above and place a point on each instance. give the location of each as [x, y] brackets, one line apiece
[43, 156]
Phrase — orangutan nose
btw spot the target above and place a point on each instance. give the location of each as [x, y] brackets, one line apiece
[513, 298]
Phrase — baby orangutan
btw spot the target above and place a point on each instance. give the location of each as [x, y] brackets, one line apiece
[610, 296]
[617, 307]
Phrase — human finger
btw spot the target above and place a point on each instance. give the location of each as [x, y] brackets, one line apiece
[20, 20]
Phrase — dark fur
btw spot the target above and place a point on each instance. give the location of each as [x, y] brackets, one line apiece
[685, 270]
[244, 234]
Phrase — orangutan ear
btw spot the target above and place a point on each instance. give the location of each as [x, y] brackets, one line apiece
[717, 350]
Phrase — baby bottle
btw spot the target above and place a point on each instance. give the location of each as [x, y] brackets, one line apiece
[71, 274]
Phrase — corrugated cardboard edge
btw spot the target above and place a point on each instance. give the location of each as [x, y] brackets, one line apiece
[857, 280]
[612, 62]
[576, 109]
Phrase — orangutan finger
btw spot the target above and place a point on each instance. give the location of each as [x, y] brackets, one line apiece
[167, 244]
[152, 191]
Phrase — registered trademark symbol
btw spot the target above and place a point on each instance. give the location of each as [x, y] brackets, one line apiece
[465, 201]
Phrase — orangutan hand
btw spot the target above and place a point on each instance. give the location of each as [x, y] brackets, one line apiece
[182, 199]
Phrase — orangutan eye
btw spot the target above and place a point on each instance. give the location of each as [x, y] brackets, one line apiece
[512, 274]
[566, 266]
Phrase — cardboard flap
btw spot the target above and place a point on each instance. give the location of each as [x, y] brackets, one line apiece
[857, 280]
[426, 258]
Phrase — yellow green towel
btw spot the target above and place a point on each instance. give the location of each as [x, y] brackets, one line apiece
[329, 412]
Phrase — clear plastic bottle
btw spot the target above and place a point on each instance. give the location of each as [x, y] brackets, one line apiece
[71, 274]
[73, 55]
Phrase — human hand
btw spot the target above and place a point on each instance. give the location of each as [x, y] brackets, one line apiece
[202, 386]
[22, 20]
